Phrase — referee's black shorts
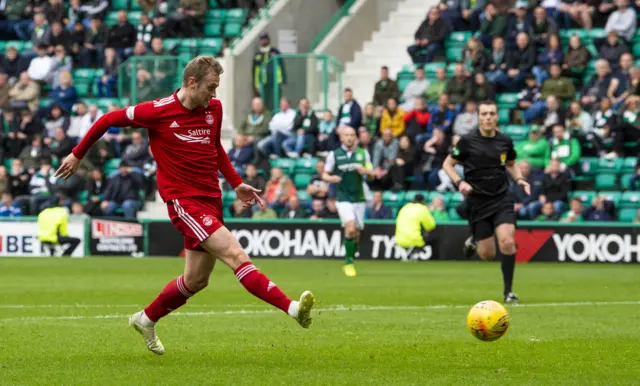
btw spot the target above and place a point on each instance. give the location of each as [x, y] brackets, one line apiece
[485, 226]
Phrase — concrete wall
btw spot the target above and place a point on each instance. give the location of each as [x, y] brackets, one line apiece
[306, 17]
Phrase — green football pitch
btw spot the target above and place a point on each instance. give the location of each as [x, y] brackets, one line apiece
[64, 322]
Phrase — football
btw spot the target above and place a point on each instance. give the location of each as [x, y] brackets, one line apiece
[488, 320]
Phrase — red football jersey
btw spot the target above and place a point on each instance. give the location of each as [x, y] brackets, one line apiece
[185, 144]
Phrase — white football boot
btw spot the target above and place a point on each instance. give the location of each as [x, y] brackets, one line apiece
[301, 310]
[148, 333]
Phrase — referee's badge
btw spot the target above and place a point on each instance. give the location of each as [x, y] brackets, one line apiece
[503, 158]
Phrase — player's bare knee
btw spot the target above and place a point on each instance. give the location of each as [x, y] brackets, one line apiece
[197, 281]
[507, 245]
[350, 231]
[486, 254]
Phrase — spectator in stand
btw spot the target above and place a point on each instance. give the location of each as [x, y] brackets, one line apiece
[574, 214]
[349, 113]
[279, 189]
[429, 38]
[40, 189]
[548, 213]
[326, 132]
[493, 24]
[60, 145]
[466, 122]
[580, 12]
[305, 131]
[19, 178]
[88, 119]
[498, 59]
[554, 115]
[579, 123]
[265, 82]
[280, 128]
[385, 88]
[559, 86]
[637, 219]
[64, 96]
[565, 149]
[628, 127]
[438, 210]
[441, 119]
[317, 207]
[371, 121]
[15, 22]
[293, 210]
[365, 141]
[542, 26]
[122, 193]
[31, 155]
[518, 22]
[136, 153]
[600, 210]
[402, 166]
[414, 90]
[552, 54]
[4, 90]
[634, 182]
[603, 84]
[256, 126]
[7, 207]
[238, 210]
[556, 185]
[603, 121]
[147, 30]
[393, 118]
[241, 154]
[318, 188]
[76, 15]
[106, 83]
[57, 36]
[9, 63]
[122, 36]
[576, 59]
[458, 88]
[252, 178]
[519, 64]
[378, 211]
[41, 67]
[95, 191]
[416, 120]
[264, 213]
[622, 21]
[5, 179]
[625, 78]
[436, 150]
[22, 131]
[526, 205]
[474, 57]
[54, 120]
[471, 13]
[61, 63]
[187, 21]
[38, 31]
[534, 151]
[481, 89]
[385, 153]
[330, 210]
[436, 87]
[612, 49]
[54, 9]
[451, 13]
[92, 53]
[529, 96]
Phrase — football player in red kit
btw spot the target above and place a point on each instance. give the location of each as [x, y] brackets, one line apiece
[184, 133]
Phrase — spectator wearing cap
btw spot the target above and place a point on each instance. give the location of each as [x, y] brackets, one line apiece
[542, 26]
[349, 112]
[41, 67]
[612, 49]
[429, 38]
[24, 94]
[535, 149]
[378, 211]
[602, 85]
[519, 64]
[95, 38]
[266, 78]
[385, 88]
[622, 21]
[494, 24]
[459, 88]
[122, 193]
[393, 118]
[122, 36]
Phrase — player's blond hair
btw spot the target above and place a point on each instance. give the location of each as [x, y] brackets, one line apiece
[199, 67]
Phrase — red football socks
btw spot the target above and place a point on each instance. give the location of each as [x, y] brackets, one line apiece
[173, 296]
[261, 287]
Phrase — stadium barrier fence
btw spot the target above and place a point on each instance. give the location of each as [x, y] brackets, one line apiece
[537, 242]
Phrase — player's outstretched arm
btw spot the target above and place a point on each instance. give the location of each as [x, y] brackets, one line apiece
[116, 118]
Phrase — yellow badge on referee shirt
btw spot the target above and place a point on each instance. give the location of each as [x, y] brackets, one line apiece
[503, 158]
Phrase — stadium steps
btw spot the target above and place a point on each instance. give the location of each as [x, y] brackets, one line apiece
[392, 38]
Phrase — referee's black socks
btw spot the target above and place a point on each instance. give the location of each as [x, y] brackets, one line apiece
[508, 265]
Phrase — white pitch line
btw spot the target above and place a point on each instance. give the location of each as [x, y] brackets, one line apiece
[328, 309]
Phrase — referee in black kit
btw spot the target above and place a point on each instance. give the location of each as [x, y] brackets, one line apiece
[487, 155]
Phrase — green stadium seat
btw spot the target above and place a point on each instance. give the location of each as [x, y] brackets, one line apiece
[455, 199]
[605, 181]
[625, 181]
[83, 196]
[286, 164]
[135, 5]
[212, 30]
[228, 196]
[586, 196]
[431, 68]
[516, 132]
[104, 103]
[27, 46]
[458, 38]
[613, 196]
[303, 195]
[236, 15]
[232, 29]
[7, 163]
[503, 116]
[453, 214]
[83, 88]
[454, 54]
[411, 194]
[613, 165]
[189, 46]
[627, 214]
[596, 33]
[509, 100]
[630, 200]
[134, 17]
[629, 165]
[211, 46]
[226, 212]
[393, 198]
[306, 165]
[213, 4]
[44, 102]
[111, 166]
[450, 69]
[117, 5]
[215, 15]
[301, 180]
[170, 44]
[17, 44]
[402, 83]
[111, 19]
[589, 165]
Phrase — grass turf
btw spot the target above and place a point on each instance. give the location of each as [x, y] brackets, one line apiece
[65, 322]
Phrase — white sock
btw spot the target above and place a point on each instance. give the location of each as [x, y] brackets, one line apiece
[145, 321]
[293, 309]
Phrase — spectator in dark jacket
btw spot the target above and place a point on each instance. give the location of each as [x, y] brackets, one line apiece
[474, 57]
[122, 192]
[293, 210]
[378, 211]
[458, 88]
[95, 39]
[519, 64]
[602, 85]
[60, 145]
[106, 83]
[95, 189]
[600, 210]
[305, 129]
[136, 153]
[65, 95]
[385, 88]
[57, 35]
[9, 63]
[497, 59]
[402, 165]
[442, 118]
[541, 27]
[481, 89]
[555, 189]
[552, 54]
[349, 113]
[241, 154]
[122, 36]
[31, 155]
[526, 205]
[429, 38]
[518, 22]
[252, 178]
[494, 24]
[612, 50]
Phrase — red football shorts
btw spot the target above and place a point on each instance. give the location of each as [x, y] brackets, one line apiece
[196, 218]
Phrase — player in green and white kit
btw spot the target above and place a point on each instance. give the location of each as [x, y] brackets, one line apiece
[347, 167]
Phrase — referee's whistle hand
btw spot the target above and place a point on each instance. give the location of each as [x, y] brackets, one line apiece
[525, 186]
[465, 188]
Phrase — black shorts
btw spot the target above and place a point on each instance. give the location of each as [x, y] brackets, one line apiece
[486, 225]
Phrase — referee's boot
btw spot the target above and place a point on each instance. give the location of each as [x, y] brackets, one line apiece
[511, 298]
[470, 247]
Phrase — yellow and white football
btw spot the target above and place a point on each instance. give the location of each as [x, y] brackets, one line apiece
[488, 320]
